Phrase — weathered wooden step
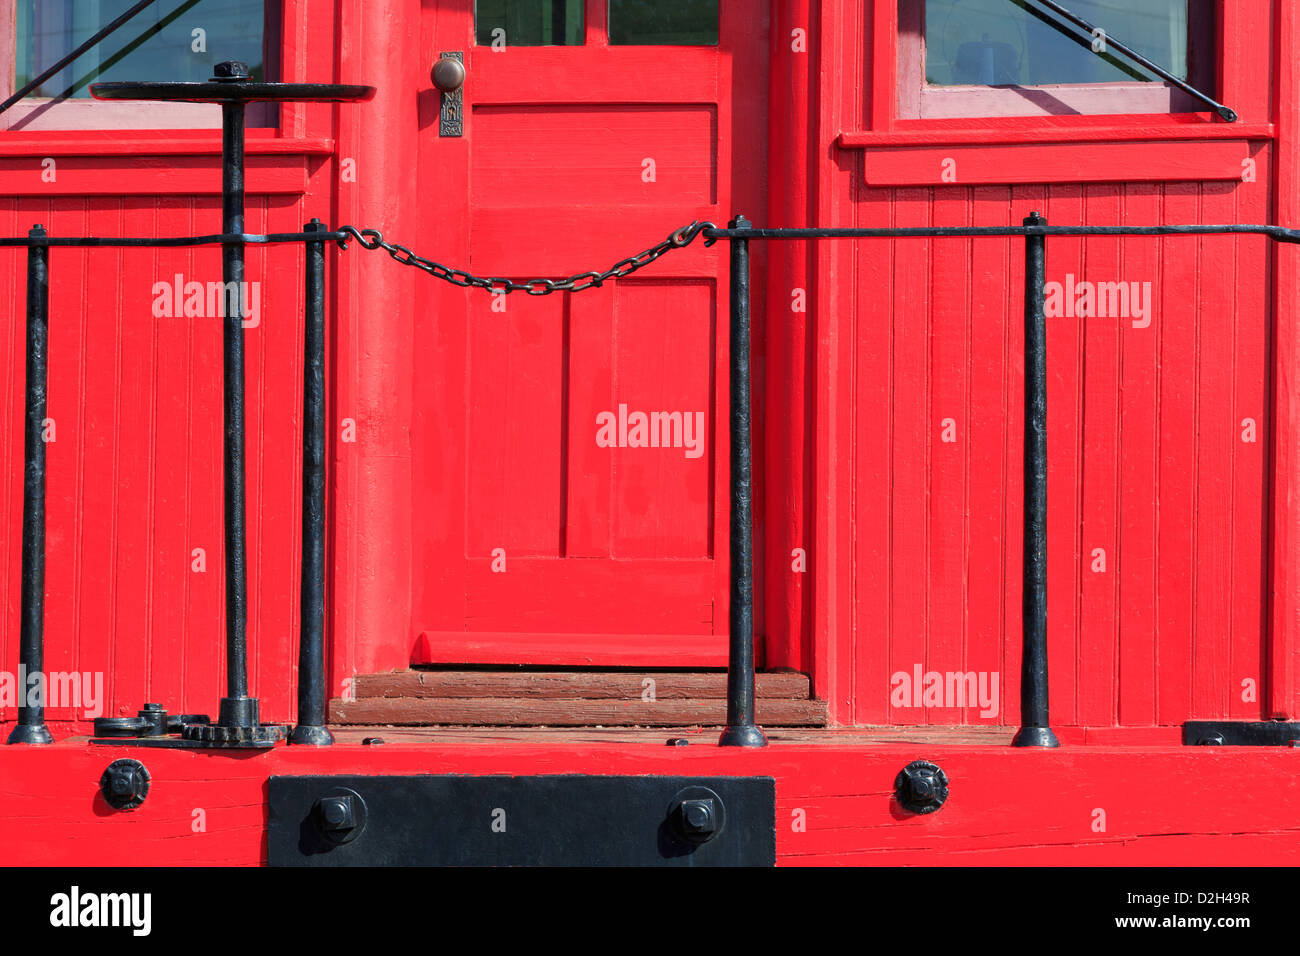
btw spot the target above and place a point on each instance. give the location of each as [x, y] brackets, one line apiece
[612, 685]
[569, 712]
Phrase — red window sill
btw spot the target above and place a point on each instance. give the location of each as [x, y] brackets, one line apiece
[163, 163]
[1055, 149]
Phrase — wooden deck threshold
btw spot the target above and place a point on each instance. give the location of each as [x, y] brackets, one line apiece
[580, 699]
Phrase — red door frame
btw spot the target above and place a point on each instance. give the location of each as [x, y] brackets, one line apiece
[374, 593]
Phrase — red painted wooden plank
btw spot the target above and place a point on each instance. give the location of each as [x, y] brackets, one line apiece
[1058, 163]
[950, 445]
[913, 433]
[67, 310]
[171, 464]
[662, 685]
[130, 375]
[202, 678]
[994, 310]
[1252, 383]
[833, 801]
[1042, 130]
[137, 143]
[569, 712]
[1219, 435]
[1135, 568]
[1099, 467]
[1066, 344]
[787, 441]
[565, 648]
[1179, 427]
[872, 342]
[12, 349]
[169, 176]
[1283, 560]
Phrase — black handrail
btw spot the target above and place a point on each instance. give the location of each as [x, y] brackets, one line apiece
[742, 730]
[1035, 727]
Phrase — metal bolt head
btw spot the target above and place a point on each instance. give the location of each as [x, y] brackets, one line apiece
[339, 816]
[124, 784]
[699, 817]
[337, 813]
[921, 787]
[231, 70]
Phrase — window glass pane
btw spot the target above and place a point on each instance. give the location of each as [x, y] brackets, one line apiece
[663, 22]
[1019, 42]
[528, 23]
[180, 40]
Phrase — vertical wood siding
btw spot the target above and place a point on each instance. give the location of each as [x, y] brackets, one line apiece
[1146, 458]
[134, 472]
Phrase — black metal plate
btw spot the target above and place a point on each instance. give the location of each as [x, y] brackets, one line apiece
[561, 820]
[1240, 733]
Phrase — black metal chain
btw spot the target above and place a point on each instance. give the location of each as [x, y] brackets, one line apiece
[579, 282]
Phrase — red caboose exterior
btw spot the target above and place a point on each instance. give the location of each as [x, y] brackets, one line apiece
[491, 508]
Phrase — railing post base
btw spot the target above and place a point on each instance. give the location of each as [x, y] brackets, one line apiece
[312, 735]
[746, 735]
[1035, 737]
[30, 734]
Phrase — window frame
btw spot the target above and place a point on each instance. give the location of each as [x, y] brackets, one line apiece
[46, 114]
[918, 99]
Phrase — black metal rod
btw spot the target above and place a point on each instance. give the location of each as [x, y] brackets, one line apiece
[31, 728]
[311, 727]
[170, 241]
[741, 731]
[1112, 44]
[68, 58]
[1035, 729]
[1277, 233]
[237, 708]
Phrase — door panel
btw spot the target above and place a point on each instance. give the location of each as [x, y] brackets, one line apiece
[554, 523]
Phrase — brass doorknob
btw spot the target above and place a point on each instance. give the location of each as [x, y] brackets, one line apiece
[448, 74]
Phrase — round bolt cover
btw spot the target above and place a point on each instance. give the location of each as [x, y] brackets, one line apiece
[921, 787]
[125, 784]
[697, 815]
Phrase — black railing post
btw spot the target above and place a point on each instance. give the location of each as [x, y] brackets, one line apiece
[1035, 729]
[311, 727]
[237, 709]
[741, 731]
[31, 728]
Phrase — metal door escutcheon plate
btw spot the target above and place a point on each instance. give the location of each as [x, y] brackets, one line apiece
[451, 121]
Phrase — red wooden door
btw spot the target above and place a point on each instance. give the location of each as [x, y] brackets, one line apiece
[549, 528]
